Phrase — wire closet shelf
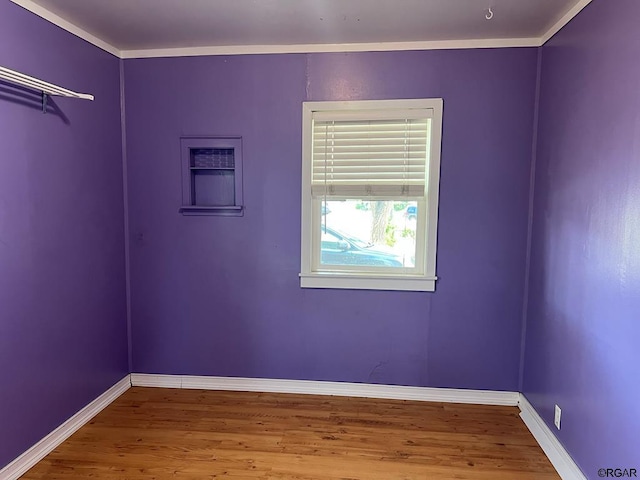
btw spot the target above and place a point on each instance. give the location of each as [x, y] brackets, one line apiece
[45, 88]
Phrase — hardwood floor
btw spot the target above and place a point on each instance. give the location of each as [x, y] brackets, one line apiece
[194, 434]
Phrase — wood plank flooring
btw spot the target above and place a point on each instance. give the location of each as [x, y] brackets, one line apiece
[195, 434]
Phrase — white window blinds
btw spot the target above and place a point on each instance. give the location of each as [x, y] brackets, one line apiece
[370, 154]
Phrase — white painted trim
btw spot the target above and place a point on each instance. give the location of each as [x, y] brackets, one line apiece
[162, 381]
[342, 389]
[301, 48]
[67, 25]
[307, 256]
[367, 282]
[553, 449]
[45, 446]
[331, 47]
[556, 27]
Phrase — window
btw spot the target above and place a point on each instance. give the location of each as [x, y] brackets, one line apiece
[370, 179]
[211, 176]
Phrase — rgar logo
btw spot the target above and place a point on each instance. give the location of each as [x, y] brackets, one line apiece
[618, 472]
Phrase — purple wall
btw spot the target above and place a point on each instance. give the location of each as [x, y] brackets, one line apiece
[62, 296]
[221, 296]
[583, 324]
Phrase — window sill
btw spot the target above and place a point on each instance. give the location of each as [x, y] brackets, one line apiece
[225, 211]
[367, 282]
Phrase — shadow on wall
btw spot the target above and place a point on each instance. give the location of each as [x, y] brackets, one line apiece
[31, 99]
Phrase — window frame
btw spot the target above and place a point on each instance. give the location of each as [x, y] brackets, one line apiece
[427, 219]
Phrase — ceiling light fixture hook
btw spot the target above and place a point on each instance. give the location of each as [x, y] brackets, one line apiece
[489, 14]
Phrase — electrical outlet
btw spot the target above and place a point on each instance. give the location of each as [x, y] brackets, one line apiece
[556, 417]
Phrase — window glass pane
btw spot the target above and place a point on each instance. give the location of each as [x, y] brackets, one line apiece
[368, 233]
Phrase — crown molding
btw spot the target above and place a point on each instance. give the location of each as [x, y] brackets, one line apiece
[331, 47]
[556, 27]
[68, 26]
[300, 48]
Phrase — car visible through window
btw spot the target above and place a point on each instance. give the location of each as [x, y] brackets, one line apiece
[338, 248]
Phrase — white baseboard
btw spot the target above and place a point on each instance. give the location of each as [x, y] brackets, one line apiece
[396, 392]
[553, 449]
[28, 459]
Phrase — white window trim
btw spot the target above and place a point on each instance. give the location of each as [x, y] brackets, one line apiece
[429, 221]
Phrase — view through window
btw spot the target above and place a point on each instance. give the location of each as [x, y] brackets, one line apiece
[376, 233]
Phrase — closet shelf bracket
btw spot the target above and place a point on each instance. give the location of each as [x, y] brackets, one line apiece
[45, 88]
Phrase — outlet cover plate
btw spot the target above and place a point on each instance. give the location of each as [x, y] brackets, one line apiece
[556, 417]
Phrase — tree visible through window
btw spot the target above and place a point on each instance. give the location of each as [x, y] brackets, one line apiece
[381, 212]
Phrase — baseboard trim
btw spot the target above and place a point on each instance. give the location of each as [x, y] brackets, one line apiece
[28, 459]
[344, 389]
[551, 446]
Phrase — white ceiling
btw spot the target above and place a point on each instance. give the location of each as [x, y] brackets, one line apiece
[134, 25]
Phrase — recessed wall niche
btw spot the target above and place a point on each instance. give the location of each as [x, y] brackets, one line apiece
[211, 176]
